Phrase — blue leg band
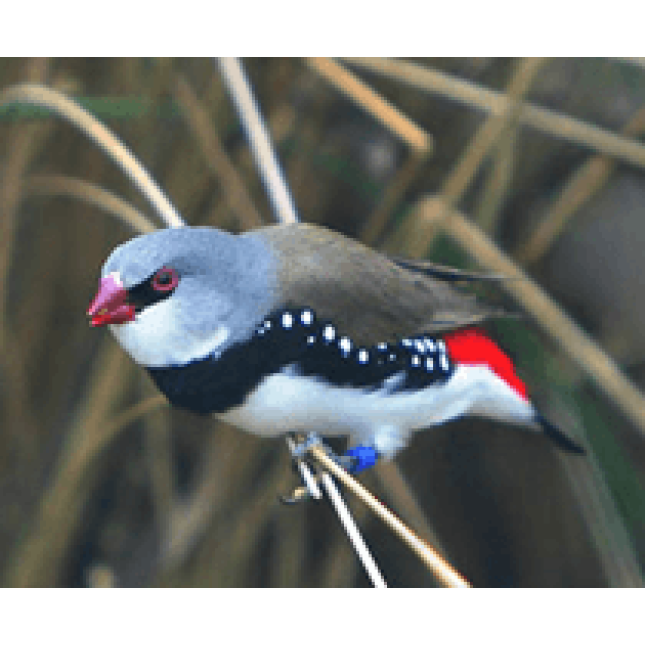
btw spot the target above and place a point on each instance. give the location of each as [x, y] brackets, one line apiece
[365, 456]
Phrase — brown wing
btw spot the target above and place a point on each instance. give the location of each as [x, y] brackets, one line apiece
[364, 294]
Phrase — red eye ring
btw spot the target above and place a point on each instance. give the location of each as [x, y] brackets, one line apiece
[165, 280]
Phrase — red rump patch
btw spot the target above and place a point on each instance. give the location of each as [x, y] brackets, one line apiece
[474, 347]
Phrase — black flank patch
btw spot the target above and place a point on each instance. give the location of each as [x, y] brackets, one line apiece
[294, 337]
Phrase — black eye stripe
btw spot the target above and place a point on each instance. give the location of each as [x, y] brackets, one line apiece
[144, 294]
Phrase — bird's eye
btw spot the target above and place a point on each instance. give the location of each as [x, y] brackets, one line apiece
[165, 280]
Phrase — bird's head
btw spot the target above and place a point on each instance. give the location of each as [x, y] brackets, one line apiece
[178, 295]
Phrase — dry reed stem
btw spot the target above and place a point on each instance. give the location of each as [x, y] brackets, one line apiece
[548, 121]
[340, 567]
[259, 140]
[225, 467]
[75, 188]
[241, 542]
[346, 518]
[498, 181]
[24, 143]
[38, 558]
[159, 455]
[444, 572]
[369, 100]
[587, 181]
[608, 533]
[378, 219]
[199, 122]
[289, 553]
[95, 130]
[561, 327]
[487, 135]
[397, 489]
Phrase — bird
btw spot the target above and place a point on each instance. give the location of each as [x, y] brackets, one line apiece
[297, 328]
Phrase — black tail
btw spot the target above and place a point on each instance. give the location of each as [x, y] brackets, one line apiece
[559, 438]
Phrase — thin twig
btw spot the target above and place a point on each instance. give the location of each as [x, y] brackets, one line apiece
[62, 186]
[39, 556]
[553, 123]
[498, 181]
[487, 135]
[259, 140]
[235, 193]
[365, 97]
[416, 138]
[397, 489]
[354, 535]
[377, 220]
[590, 178]
[339, 568]
[24, 144]
[442, 569]
[227, 463]
[95, 130]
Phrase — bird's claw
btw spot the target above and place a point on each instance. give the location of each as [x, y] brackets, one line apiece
[300, 494]
[355, 460]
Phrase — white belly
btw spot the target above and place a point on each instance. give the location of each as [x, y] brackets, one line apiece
[285, 402]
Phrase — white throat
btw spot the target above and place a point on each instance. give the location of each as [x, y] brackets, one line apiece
[157, 339]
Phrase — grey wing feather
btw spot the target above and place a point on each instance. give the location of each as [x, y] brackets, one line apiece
[442, 272]
[364, 294]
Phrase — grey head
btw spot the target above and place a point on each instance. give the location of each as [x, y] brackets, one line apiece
[226, 285]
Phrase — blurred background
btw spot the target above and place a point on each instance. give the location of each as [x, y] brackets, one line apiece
[101, 484]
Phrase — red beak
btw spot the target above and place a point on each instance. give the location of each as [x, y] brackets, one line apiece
[109, 306]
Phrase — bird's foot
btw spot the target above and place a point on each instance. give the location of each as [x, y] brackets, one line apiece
[299, 448]
[300, 494]
[303, 446]
[354, 461]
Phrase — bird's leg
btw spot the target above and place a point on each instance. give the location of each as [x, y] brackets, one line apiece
[302, 446]
[299, 450]
[354, 461]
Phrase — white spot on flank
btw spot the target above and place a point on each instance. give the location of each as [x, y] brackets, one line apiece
[345, 345]
[329, 333]
[363, 356]
[429, 364]
[311, 340]
[287, 321]
[415, 360]
[307, 317]
[444, 361]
